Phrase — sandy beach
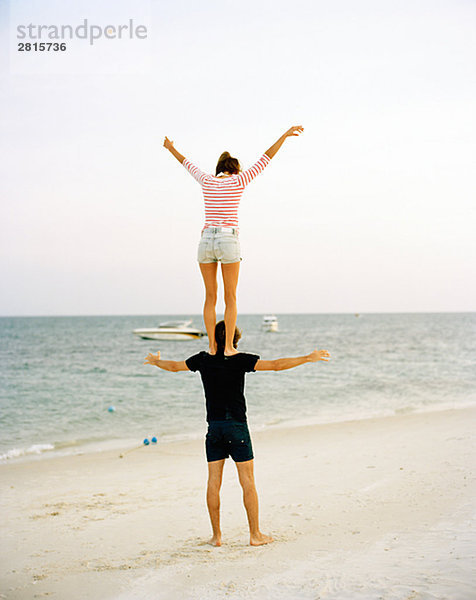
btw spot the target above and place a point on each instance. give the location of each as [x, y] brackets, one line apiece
[367, 509]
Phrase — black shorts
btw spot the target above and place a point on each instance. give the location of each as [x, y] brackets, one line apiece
[228, 438]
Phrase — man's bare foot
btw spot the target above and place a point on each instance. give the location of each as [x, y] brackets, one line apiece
[260, 539]
[231, 351]
[215, 541]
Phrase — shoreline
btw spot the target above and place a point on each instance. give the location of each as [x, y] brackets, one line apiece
[335, 497]
[48, 451]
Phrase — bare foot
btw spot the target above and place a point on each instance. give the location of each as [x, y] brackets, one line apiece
[260, 539]
[215, 541]
[212, 351]
[231, 351]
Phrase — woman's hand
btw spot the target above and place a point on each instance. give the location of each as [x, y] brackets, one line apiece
[168, 143]
[151, 359]
[291, 132]
[170, 147]
[294, 130]
[318, 355]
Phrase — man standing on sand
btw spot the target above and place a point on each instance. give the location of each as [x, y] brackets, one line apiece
[223, 379]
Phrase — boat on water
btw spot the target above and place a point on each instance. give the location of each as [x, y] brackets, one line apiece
[171, 330]
[270, 323]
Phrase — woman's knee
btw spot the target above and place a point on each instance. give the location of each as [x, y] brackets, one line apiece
[230, 297]
[211, 297]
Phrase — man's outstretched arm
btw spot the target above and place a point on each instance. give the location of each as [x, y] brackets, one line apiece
[167, 365]
[280, 364]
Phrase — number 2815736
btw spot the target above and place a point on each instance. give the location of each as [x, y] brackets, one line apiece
[41, 47]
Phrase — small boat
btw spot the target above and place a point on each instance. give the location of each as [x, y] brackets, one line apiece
[171, 330]
[270, 323]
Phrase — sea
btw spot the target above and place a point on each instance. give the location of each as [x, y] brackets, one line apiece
[78, 384]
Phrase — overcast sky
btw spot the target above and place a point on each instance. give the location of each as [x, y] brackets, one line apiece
[372, 209]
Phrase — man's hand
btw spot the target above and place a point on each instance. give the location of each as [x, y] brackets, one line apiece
[168, 143]
[294, 130]
[318, 355]
[166, 365]
[151, 359]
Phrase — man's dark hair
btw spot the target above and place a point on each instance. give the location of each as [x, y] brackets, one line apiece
[220, 336]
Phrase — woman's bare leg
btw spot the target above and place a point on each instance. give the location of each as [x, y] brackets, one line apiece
[230, 274]
[209, 274]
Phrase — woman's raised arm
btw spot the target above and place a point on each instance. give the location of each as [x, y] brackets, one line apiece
[170, 147]
[191, 168]
[292, 131]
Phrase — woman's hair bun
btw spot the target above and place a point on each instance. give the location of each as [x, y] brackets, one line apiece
[226, 163]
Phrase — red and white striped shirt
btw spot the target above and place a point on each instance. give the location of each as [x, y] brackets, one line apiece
[222, 195]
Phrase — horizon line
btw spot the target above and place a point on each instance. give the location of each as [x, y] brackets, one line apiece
[407, 312]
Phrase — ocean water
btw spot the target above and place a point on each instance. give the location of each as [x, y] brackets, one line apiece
[59, 375]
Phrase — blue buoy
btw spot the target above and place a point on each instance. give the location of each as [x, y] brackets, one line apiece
[112, 409]
[146, 442]
[154, 440]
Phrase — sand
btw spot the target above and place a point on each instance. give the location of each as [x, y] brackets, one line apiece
[379, 508]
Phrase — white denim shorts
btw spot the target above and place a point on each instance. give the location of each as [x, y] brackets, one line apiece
[219, 244]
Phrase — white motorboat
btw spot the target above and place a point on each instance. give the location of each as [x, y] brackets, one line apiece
[270, 323]
[171, 330]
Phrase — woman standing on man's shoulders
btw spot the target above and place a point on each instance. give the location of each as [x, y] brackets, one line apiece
[219, 241]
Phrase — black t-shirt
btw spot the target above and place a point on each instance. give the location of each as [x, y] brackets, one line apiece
[223, 379]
